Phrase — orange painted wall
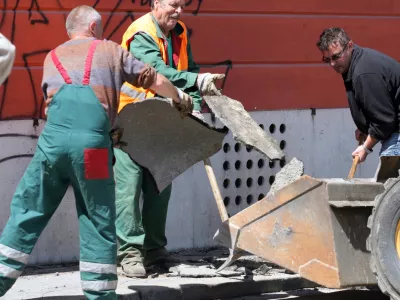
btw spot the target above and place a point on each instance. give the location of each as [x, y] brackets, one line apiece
[267, 47]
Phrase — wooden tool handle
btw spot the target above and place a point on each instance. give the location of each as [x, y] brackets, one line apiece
[356, 160]
[214, 186]
[353, 169]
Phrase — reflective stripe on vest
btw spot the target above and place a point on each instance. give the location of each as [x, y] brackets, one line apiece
[145, 24]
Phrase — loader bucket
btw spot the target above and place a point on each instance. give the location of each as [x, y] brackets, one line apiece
[314, 227]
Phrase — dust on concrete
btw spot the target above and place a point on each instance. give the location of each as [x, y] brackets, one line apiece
[289, 173]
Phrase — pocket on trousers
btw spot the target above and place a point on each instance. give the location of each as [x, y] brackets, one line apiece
[96, 163]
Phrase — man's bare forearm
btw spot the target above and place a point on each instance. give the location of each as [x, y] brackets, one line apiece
[164, 87]
[370, 142]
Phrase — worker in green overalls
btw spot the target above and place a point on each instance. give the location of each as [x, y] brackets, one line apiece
[81, 83]
[160, 40]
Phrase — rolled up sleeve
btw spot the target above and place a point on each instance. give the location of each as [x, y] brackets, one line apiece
[136, 72]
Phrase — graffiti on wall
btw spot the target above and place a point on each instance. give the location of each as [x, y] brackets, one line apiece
[21, 97]
[16, 21]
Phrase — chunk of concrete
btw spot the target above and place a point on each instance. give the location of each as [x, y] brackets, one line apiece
[157, 138]
[263, 270]
[244, 129]
[289, 173]
[197, 272]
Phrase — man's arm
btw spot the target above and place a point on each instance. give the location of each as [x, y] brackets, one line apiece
[378, 107]
[141, 75]
[144, 48]
[373, 95]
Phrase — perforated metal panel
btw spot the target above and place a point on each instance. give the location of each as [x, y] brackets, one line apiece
[248, 176]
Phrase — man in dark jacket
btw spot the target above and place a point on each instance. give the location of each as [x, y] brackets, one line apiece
[372, 82]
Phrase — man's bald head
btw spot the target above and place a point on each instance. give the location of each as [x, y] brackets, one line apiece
[84, 20]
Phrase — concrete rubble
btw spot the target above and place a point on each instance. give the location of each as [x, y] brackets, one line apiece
[203, 264]
[169, 145]
[187, 274]
[244, 129]
[288, 174]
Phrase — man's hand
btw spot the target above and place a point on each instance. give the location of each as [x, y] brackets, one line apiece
[184, 103]
[360, 151]
[361, 137]
[206, 84]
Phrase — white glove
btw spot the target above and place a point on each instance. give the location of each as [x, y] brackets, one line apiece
[198, 115]
[206, 83]
[7, 55]
[185, 104]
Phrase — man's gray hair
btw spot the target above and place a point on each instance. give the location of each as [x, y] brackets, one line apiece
[331, 36]
[152, 3]
[80, 17]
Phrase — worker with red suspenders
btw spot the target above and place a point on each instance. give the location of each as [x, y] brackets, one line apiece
[75, 149]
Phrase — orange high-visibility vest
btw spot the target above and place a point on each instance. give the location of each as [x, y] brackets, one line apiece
[130, 93]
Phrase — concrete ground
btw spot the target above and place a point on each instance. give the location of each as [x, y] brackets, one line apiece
[186, 275]
[319, 294]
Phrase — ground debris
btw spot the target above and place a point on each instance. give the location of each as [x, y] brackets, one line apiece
[289, 173]
[202, 263]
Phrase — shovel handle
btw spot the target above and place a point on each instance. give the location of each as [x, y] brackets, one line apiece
[356, 160]
[353, 169]
[215, 189]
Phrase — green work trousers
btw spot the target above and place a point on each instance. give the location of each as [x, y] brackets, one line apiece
[138, 231]
[73, 149]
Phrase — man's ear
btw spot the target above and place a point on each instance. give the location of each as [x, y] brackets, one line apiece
[92, 28]
[351, 44]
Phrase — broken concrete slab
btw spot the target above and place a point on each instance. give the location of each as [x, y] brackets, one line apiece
[157, 138]
[263, 270]
[244, 129]
[197, 272]
[289, 173]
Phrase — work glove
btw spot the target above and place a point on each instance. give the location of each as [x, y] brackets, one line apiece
[206, 84]
[198, 115]
[185, 104]
[7, 56]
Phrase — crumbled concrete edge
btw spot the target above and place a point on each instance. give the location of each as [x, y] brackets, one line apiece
[289, 174]
[244, 128]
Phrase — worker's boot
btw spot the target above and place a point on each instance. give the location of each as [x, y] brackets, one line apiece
[155, 256]
[133, 269]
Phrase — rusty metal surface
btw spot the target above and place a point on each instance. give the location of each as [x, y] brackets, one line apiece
[350, 234]
[299, 229]
[388, 167]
